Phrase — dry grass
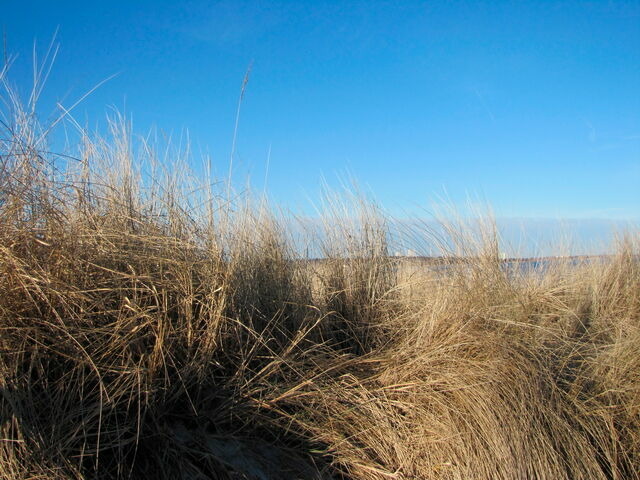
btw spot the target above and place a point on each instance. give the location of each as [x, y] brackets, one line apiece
[148, 331]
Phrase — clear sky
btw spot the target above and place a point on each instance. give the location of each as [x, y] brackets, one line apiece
[533, 106]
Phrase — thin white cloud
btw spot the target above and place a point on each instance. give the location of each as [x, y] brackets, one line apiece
[635, 136]
[484, 104]
[592, 136]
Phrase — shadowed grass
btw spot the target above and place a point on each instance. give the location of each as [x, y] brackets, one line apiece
[153, 329]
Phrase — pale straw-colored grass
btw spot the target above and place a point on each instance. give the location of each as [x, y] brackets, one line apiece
[150, 328]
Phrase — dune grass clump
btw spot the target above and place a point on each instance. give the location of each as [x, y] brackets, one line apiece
[150, 329]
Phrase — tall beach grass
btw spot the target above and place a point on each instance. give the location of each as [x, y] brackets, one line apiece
[155, 327]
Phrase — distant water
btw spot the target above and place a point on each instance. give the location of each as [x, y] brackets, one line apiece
[542, 265]
[515, 267]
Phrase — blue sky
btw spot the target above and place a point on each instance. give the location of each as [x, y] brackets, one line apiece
[531, 106]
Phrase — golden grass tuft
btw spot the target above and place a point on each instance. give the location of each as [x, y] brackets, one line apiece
[153, 330]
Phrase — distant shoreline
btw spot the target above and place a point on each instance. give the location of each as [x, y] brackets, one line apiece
[454, 259]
